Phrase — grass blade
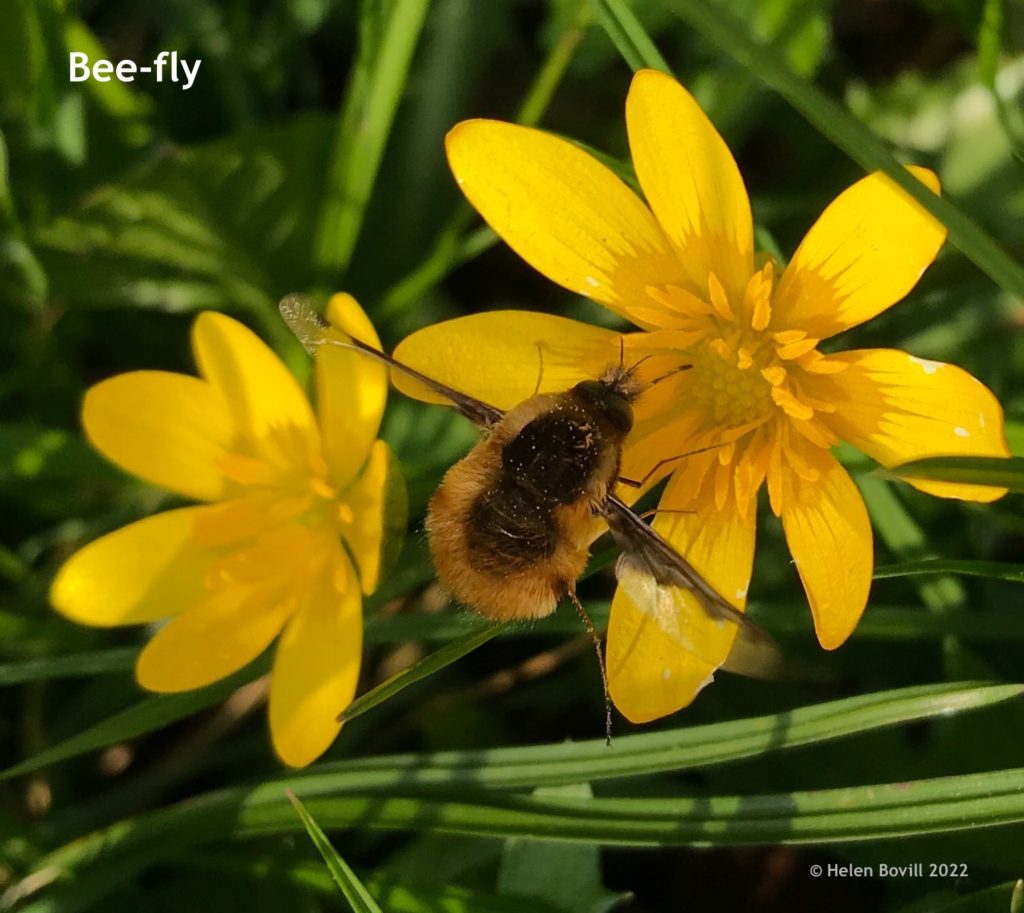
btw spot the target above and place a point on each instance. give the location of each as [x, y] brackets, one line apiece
[435, 662]
[365, 123]
[875, 812]
[883, 811]
[994, 570]
[674, 750]
[403, 791]
[457, 242]
[351, 887]
[719, 25]
[997, 472]
[99, 662]
[147, 715]
[628, 35]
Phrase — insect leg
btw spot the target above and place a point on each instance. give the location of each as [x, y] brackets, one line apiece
[589, 625]
[633, 483]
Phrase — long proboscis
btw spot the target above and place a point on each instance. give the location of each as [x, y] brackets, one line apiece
[314, 332]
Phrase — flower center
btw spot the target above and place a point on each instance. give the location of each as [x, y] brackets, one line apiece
[745, 371]
[728, 377]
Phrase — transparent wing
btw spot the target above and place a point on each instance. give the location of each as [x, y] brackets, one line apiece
[679, 602]
[313, 332]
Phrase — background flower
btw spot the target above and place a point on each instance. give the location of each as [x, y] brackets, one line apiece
[762, 401]
[299, 507]
[309, 153]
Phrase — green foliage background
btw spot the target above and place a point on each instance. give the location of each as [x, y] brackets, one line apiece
[308, 156]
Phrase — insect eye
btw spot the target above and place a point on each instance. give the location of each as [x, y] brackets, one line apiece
[592, 390]
[619, 413]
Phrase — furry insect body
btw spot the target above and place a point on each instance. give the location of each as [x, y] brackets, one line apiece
[510, 524]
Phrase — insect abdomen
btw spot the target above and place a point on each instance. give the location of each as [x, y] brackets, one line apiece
[510, 525]
[508, 528]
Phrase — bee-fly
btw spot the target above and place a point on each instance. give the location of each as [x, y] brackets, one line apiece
[511, 523]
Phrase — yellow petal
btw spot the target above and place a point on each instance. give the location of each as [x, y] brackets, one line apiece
[661, 434]
[219, 636]
[374, 516]
[352, 389]
[261, 394]
[169, 429]
[829, 535]
[866, 252]
[562, 211]
[145, 571]
[659, 657]
[317, 666]
[691, 182]
[504, 357]
[897, 408]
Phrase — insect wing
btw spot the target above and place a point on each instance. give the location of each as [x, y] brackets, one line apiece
[314, 332]
[305, 322]
[669, 629]
[662, 646]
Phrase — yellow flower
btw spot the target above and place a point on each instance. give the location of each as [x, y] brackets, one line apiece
[761, 393]
[292, 531]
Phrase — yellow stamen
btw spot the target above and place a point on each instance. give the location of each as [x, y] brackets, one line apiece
[789, 404]
[774, 374]
[679, 300]
[788, 337]
[246, 470]
[719, 299]
[321, 489]
[795, 349]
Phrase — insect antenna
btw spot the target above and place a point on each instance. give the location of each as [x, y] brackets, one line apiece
[589, 625]
[540, 373]
[669, 374]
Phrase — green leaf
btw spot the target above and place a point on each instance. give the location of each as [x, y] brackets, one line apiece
[990, 39]
[997, 472]
[996, 899]
[396, 516]
[905, 538]
[628, 35]
[98, 663]
[147, 715]
[456, 242]
[129, 108]
[565, 875]
[1017, 898]
[408, 791]
[717, 23]
[995, 570]
[882, 811]
[359, 899]
[49, 471]
[224, 226]
[364, 124]
[420, 670]
[394, 894]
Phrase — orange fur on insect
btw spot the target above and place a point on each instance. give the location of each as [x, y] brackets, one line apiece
[508, 589]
